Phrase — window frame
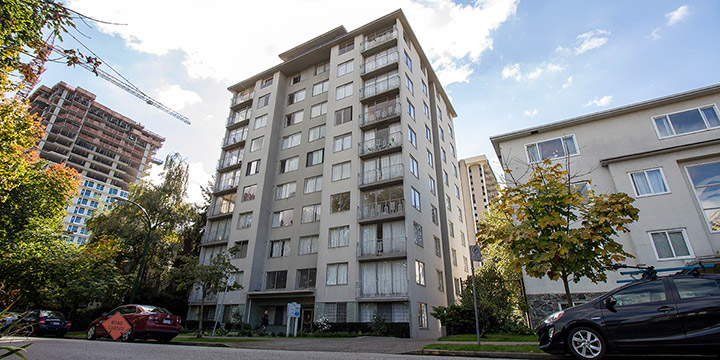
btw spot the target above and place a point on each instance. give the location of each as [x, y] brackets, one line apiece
[562, 140]
[697, 197]
[674, 134]
[644, 172]
[667, 235]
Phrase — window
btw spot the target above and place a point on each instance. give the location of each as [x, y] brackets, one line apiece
[460, 217]
[308, 245]
[441, 281]
[316, 133]
[341, 171]
[445, 178]
[260, 122]
[414, 167]
[343, 115]
[671, 244]
[649, 182]
[687, 121]
[415, 198]
[244, 220]
[418, 234]
[318, 109]
[310, 213]
[452, 150]
[706, 184]
[412, 137]
[306, 278]
[422, 316]
[296, 97]
[689, 288]
[465, 264]
[437, 245]
[343, 91]
[289, 164]
[429, 158]
[315, 157]
[409, 84]
[294, 118]
[280, 248]
[241, 248]
[431, 183]
[339, 236]
[457, 192]
[313, 184]
[291, 141]
[282, 218]
[336, 312]
[458, 286]
[454, 170]
[263, 101]
[551, 149]
[267, 82]
[319, 69]
[410, 110]
[434, 214]
[439, 112]
[253, 167]
[408, 61]
[276, 280]
[451, 228]
[443, 155]
[321, 87]
[343, 48]
[284, 191]
[342, 142]
[424, 87]
[419, 272]
[296, 79]
[346, 67]
[256, 144]
[426, 111]
[337, 274]
[249, 192]
[340, 202]
[652, 291]
[441, 133]
[454, 257]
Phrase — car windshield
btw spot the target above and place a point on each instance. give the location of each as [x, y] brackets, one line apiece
[156, 310]
[52, 314]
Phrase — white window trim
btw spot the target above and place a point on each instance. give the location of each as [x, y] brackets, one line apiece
[577, 148]
[657, 131]
[697, 199]
[687, 242]
[662, 174]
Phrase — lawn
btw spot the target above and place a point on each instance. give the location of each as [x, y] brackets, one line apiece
[525, 348]
[491, 337]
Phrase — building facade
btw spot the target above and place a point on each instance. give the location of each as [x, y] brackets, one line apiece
[663, 152]
[338, 185]
[109, 150]
[479, 188]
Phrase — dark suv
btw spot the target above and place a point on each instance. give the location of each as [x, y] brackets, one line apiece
[669, 314]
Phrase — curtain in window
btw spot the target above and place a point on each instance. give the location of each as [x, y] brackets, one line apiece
[342, 273]
[662, 245]
[368, 239]
[399, 269]
[385, 278]
[656, 181]
[398, 235]
[332, 271]
[400, 312]
[678, 244]
[369, 279]
[641, 183]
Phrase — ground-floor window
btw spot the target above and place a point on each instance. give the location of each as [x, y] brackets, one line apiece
[391, 312]
[336, 312]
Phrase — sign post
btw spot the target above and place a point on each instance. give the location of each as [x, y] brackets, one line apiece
[293, 313]
[475, 255]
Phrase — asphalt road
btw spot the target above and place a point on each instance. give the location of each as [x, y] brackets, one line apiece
[73, 349]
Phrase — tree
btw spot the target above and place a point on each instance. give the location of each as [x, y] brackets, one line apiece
[208, 278]
[555, 229]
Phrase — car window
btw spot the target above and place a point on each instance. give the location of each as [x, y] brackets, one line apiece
[156, 310]
[696, 287]
[641, 293]
[115, 310]
[50, 313]
[128, 310]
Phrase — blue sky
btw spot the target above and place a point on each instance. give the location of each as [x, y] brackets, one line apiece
[508, 64]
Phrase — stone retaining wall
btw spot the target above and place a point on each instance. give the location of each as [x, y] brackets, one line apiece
[542, 305]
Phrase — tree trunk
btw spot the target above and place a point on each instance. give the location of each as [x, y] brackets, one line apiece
[567, 290]
[200, 318]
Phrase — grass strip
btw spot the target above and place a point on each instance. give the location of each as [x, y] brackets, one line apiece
[491, 337]
[525, 348]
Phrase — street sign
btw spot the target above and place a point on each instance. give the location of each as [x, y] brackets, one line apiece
[293, 310]
[475, 254]
[116, 326]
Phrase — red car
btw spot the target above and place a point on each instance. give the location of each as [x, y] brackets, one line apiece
[147, 322]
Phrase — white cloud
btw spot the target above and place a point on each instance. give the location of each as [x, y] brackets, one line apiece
[530, 113]
[177, 98]
[603, 101]
[655, 35]
[590, 40]
[197, 177]
[678, 15]
[513, 71]
[219, 40]
[568, 82]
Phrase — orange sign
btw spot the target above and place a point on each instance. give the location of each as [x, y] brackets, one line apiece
[116, 326]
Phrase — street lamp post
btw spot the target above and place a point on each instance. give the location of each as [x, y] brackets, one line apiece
[145, 249]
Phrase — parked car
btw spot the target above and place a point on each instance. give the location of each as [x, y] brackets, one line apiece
[40, 322]
[670, 314]
[146, 321]
[8, 317]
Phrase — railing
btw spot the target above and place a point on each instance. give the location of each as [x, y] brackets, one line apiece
[378, 62]
[242, 96]
[236, 138]
[223, 163]
[381, 111]
[382, 288]
[381, 174]
[382, 208]
[229, 183]
[196, 296]
[379, 38]
[240, 115]
[386, 142]
[206, 238]
[380, 87]
[378, 247]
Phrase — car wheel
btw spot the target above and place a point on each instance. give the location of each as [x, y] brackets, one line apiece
[586, 343]
[91, 335]
[128, 336]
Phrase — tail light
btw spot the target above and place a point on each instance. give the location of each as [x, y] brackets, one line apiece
[41, 322]
[68, 324]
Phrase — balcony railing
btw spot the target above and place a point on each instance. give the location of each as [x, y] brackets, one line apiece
[228, 184]
[382, 174]
[382, 288]
[379, 247]
[380, 87]
[223, 163]
[390, 141]
[382, 209]
[380, 111]
[238, 116]
[235, 138]
[207, 238]
[379, 38]
[196, 296]
[242, 97]
[378, 62]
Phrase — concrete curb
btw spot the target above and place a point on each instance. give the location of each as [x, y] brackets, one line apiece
[488, 354]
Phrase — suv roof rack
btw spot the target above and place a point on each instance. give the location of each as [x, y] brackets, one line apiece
[650, 272]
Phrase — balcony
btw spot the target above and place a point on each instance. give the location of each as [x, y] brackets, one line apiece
[231, 183]
[381, 210]
[380, 112]
[239, 116]
[380, 40]
[386, 175]
[196, 296]
[374, 249]
[207, 240]
[377, 64]
[234, 161]
[242, 97]
[381, 145]
[235, 139]
[379, 88]
[383, 289]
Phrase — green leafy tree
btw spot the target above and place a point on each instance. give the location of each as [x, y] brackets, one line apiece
[555, 229]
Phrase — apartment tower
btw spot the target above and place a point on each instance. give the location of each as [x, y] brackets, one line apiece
[479, 188]
[338, 185]
[109, 150]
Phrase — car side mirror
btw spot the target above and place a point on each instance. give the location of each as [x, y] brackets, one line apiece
[610, 302]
